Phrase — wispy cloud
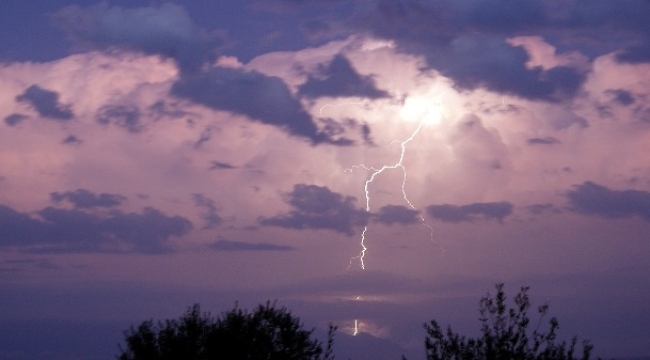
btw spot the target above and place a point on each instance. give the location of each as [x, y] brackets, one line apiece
[82, 198]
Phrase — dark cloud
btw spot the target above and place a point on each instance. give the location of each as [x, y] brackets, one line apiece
[549, 140]
[618, 25]
[623, 97]
[467, 42]
[210, 215]
[226, 245]
[365, 133]
[124, 116]
[339, 79]
[84, 199]
[61, 230]
[561, 82]
[46, 103]
[542, 208]
[579, 20]
[316, 27]
[331, 127]
[161, 109]
[635, 54]
[467, 213]
[398, 214]
[593, 199]
[333, 130]
[496, 16]
[611, 15]
[263, 98]
[317, 207]
[14, 119]
[479, 60]
[71, 139]
[299, 24]
[165, 30]
[221, 165]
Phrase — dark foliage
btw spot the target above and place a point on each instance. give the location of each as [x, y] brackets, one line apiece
[504, 335]
[266, 333]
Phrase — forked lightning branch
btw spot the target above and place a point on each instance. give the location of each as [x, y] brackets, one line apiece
[424, 117]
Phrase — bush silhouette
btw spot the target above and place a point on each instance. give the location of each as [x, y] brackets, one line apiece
[505, 335]
[265, 333]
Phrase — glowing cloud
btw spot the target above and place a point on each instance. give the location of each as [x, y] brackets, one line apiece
[416, 109]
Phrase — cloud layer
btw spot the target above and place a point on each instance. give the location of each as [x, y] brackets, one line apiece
[166, 30]
[471, 212]
[593, 199]
[262, 98]
[58, 230]
[317, 207]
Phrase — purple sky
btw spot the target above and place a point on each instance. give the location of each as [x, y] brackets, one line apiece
[158, 154]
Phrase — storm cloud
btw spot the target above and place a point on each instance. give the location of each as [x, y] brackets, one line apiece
[396, 214]
[15, 119]
[590, 198]
[468, 43]
[165, 30]
[85, 199]
[621, 96]
[339, 79]
[71, 140]
[126, 117]
[45, 102]
[317, 207]
[471, 212]
[56, 230]
[263, 98]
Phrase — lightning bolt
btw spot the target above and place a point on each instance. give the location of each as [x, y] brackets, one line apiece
[375, 172]
[397, 165]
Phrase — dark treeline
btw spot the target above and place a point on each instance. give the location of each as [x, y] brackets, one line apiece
[273, 333]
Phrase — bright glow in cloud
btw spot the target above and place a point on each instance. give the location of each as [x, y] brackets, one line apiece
[424, 113]
[420, 109]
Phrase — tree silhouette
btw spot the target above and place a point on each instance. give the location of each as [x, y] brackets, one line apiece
[266, 333]
[505, 335]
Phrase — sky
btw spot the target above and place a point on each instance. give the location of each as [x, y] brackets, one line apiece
[374, 164]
